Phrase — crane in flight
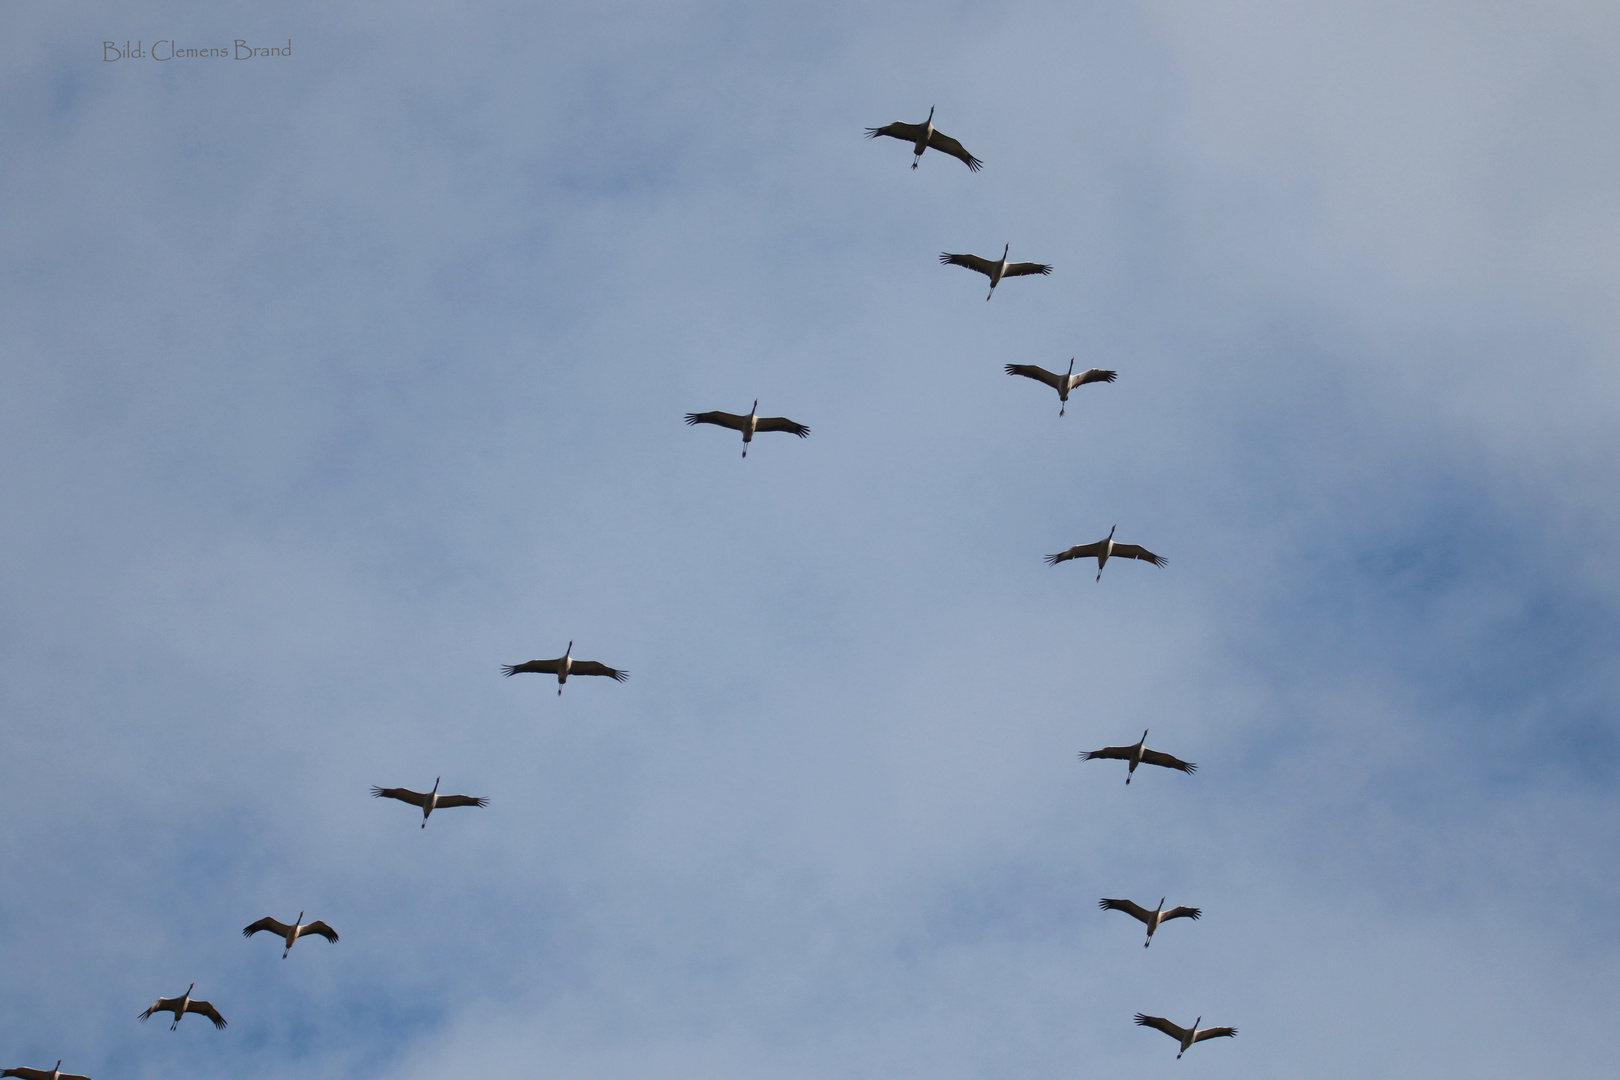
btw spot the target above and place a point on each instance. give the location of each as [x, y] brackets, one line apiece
[924, 135]
[748, 424]
[1185, 1036]
[1106, 549]
[292, 933]
[26, 1073]
[1153, 919]
[182, 1005]
[994, 269]
[428, 801]
[1139, 754]
[564, 666]
[1062, 383]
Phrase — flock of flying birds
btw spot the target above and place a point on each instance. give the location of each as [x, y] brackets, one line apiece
[922, 137]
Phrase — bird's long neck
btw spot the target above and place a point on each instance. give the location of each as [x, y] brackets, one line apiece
[753, 413]
[1004, 249]
[928, 125]
[298, 922]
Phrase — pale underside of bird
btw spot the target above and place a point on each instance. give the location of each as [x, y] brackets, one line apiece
[1139, 754]
[748, 424]
[1185, 1036]
[994, 269]
[564, 666]
[290, 934]
[1062, 383]
[1106, 549]
[925, 135]
[1151, 919]
[182, 1005]
[43, 1074]
[429, 801]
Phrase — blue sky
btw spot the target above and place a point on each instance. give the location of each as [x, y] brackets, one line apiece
[332, 382]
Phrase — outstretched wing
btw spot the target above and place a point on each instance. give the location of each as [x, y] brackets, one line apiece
[1215, 1033]
[948, 145]
[319, 927]
[267, 923]
[161, 1005]
[1079, 551]
[29, 1074]
[781, 423]
[1122, 752]
[462, 800]
[1159, 1023]
[1024, 269]
[543, 667]
[1181, 913]
[897, 130]
[1135, 911]
[71, 1076]
[723, 419]
[1158, 757]
[415, 798]
[972, 262]
[1095, 375]
[1137, 551]
[208, 1010]
[596, 667]
[1039, 374]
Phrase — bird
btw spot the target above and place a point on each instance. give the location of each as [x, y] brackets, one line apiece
[428, 802]
[748, 424]
[1062, 383]
[1139, 755]
[923, 136]
[292, 933]
[1105, 549]
[564, 666]
[182, 1005]
[43, 1074]
[994, 269]
[1186, 1036]
[1153, 918]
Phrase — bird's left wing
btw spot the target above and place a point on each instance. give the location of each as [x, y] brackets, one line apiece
[1079, 551]
[30, 1074]
[948, 145]
[463, 800]
[1159, 757]
[415, 798]
[897, 130]
[319, 927]
[1036, 372]
[267, 923]
[1215, 1033]
[542, 667]
[206, 1009]
[723, 419]
[781, 423]
[972, 262]
[1181, 913]
[1137, 551]
[1023, 269]
[1134, 910]
[1095, 375]
[1159, 1023]
[596, 667]
[1122, 752]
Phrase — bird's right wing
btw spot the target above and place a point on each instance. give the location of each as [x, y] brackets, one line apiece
[723, 419]
[206, 1009]
[30, 1074]
[596, 667]
[1137, 551]
[1135, 911]
[1095, 375]
[1036, 372]
[972, 262]
[415, 798]
[1025, 269]
[1122, 752]
[1079, 551]
[946, 144]
[266, 923]
[1181, 913]
[781, 423]
[1163, 760]
[319, 927]
[544, 667]
[1159, 1023]
[897, 130]
[463, 800]
[1215, 1033]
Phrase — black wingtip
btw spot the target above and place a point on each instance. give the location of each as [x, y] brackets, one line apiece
[975, 164]
[376, 792]
[692, 418]
[509, 670]
[945, 257]
[1053, 560]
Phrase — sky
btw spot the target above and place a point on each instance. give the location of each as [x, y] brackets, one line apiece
[330, 382]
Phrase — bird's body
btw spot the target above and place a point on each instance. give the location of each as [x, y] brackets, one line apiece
[1105, 549]
[43, 1074]
[182, 1005]
[290, 934]
[924, 135]
[994, 269]
[1062, 383]
[1185, 1036]
[564, 666]
[1152, 919]
[1139, 754]
[749, 424]
[428, 801]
